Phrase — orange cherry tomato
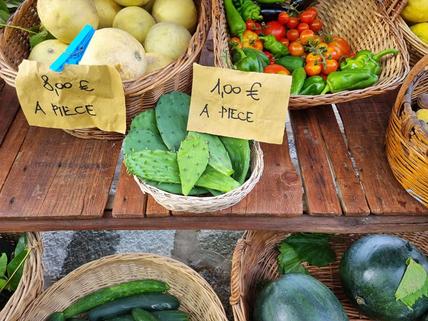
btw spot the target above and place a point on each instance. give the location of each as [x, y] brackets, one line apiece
[313, 69]
[330, 66]
[283, 18]
[296, 49]
[302, 26]
[316, 40]
[311, 57]
[306, 36]
[341, 45]
[250, 39]
[293, 35]
[332, 53]
[285, 41]
[276, 69]
[235, 42]
[316, 25]
[293, 23]
[322, 45]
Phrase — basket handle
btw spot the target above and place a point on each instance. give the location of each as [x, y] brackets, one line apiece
[394, 7]
[235, 280]
[417, 69]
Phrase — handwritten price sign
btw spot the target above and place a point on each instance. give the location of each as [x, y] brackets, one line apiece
[239, 104]
[78, 97]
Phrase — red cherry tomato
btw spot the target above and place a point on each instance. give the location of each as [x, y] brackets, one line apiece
[285, 41]
[308, 16]
[293, 22]
[296, 49]
[316, 25]
[274, 28]
[306, 36]
[313, 9]
[302, 26]
[311, 57]
[276, 69]
[254, 26]
[283, 18]
[293, 35]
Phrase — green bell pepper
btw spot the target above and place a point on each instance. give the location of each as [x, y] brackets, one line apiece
[247, 62]
[313, 86]
[251, 52]
[299, 76]
[276, 48]
[365, 59]
[349, 80]
[250, 10]
[291, 62]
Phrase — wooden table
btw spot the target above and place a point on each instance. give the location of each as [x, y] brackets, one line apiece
[330, 175]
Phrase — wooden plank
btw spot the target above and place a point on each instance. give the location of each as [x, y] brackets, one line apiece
[320, 189]
[302, 223]
[9, 107]
[58, 175]
[154, 210]
[365, 123]
[129, 200]
[351, 194]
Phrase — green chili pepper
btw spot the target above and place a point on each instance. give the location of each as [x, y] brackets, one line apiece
[234, 20]
[299, 76]
[313, 86]
[249, 63]
[250, 10]
[277, 48]
[365, 59]
[349, 80]
[291, 62]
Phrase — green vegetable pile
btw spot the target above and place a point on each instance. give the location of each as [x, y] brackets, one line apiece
[11, 268]
[7, 7]
[140, 300]
[160, 151]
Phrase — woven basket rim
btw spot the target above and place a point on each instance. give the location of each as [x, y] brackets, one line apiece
[31, 283]
[167, 263]
[215, 201]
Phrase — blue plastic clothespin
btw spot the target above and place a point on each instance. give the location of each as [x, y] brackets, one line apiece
[74, 52]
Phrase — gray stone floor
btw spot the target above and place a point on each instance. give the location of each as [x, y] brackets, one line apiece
[208, 252]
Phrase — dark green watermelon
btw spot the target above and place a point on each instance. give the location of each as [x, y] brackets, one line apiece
[297, 297]
[371, 271]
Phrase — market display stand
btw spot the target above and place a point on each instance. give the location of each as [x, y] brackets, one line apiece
[50, 180]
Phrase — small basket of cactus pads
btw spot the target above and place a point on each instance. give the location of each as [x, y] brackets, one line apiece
[188, 171]
[407, 136]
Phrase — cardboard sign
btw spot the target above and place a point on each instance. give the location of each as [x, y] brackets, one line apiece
[239, 104]
[79, 97]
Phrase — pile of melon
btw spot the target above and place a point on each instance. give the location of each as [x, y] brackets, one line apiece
[137, 37]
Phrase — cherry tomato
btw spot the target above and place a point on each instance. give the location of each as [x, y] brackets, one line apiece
[270, 56]
[322, 46]
[330, 66]
[313, 9]
[250, 39]
[302, 26]
[332, 53]
[293, 35]
[293, 22]
[276, 69]
[254, 26]
[306, 36]
[283, 18]
[235, 42]
[311, 57]
[316, 25]
[308, 16]
[316, 40]
[342, 46]
[275, 28]
[296, 49]
[285, 41]
[313, 69]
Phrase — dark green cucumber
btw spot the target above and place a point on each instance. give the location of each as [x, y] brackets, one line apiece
[113, 293]
[171, 315]
[56, 316]
[143, 315]
[121, 318]
[149, 302]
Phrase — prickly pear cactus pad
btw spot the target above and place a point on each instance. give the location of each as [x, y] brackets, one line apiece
[240, 154]
[219, 158]
[142, 139]
[172, 112]
[192, 160]
[145, 120]
[214, 180]
[155, 165]
[176, 188]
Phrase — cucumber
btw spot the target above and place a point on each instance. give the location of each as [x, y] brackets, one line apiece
[142, 315]
[113, 293]
[149, 302]
[121, 318]
[291, 62]
[171, 315]
[56, 316]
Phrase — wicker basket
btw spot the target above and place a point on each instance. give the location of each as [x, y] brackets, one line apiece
[254, 261]
[407, 137]
[140, 93]
[192, 204]
[364, 23]
[195, 294]
[416, 47]
[32, 279]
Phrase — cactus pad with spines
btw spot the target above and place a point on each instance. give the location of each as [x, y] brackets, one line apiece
[145, 120]
[142, 139]
[214, 180]
[176, 188]
[240, 155]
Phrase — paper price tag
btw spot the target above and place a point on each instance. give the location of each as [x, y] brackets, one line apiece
[79, 97]
[239, 104]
